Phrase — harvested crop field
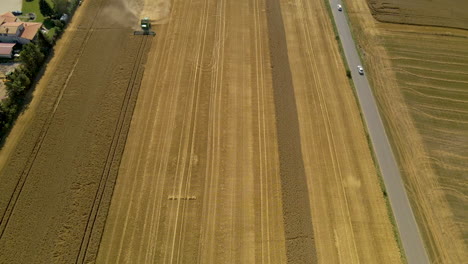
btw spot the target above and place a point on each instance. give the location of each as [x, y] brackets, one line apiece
[443, 13]
[231, 136]
[420, 76]
[217, 148]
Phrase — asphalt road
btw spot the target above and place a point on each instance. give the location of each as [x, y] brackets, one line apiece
[409, 233]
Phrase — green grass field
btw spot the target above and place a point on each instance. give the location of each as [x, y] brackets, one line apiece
[33, 7]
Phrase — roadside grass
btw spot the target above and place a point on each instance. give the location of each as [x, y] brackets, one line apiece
[369, 142]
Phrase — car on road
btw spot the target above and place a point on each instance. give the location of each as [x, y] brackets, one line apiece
[339, 7]
[17, 13]
[360, 69]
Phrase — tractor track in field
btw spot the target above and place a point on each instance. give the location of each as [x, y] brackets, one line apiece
[29, 164]
[118, 142]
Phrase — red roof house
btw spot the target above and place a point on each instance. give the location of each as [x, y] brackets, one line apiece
[13, 30]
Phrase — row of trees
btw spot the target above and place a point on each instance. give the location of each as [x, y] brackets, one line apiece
[32, 58]
[18, 83]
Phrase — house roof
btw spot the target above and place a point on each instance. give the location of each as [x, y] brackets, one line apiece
[10, 27]
[30, 30]
[9, 24]
[12, 24]
[6, 48]
[8, 17]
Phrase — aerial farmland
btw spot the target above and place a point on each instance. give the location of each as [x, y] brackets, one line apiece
[421, 82]
[220, 131]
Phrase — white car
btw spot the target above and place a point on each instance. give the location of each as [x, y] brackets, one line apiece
[360, 69]
[340, 8]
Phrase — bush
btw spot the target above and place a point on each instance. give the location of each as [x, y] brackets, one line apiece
[348, 74]
[58, 23]
[17, 84]
[32, 58]
[58, 32]
[4, 117]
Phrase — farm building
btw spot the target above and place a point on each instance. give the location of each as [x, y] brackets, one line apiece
[6, 50]
[13, 30]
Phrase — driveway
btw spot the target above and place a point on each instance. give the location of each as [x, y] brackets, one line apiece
[10, 5]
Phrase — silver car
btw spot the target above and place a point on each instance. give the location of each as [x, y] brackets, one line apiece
[360, 69]
[340, 8]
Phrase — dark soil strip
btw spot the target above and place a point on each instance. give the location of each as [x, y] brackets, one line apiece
[300, 246]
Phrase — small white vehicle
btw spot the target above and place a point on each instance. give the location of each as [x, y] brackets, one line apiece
[360, 69]
[339, 7]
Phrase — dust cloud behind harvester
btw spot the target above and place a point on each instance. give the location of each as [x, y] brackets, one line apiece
[124, 13]
[157, 10]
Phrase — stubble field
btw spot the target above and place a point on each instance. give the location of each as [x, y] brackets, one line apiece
[420, 77]
[245, 144]
[235, 138]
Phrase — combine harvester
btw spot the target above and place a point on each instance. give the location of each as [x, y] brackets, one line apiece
[146, 28]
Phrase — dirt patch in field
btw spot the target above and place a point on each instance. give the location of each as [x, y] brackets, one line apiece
[445, 13]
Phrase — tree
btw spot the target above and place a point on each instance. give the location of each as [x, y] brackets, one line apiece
[348, 74]
[45, 8]
[60, 6]
[32, 58]
[16, 85]
[4, 117]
